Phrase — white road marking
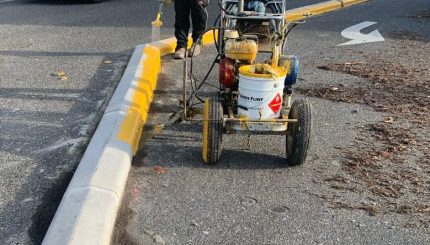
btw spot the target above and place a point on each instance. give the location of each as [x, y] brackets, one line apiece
[61, 143]
[5, 1]
[357, 37]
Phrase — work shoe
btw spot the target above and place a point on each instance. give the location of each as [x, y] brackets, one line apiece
[179, 54]
[196, 48]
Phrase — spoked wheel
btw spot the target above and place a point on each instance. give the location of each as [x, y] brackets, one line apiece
[298, 135]
[212, 131]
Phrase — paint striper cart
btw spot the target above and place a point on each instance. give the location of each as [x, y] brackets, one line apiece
[255, 97]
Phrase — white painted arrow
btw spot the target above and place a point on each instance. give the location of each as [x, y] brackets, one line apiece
[357, 37]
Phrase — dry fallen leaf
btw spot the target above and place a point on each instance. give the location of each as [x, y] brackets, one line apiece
[159, 170]
[158, 128]
[61, 75]
[389, 120]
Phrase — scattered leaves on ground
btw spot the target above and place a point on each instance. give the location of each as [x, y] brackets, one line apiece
[60, 75]
[158, 239]
[159, 170]
[393, 88]
[389, 164]
[423, 14]
[408, 35]
[158, 128]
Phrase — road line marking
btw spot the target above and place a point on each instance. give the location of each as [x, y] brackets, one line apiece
[353, 32]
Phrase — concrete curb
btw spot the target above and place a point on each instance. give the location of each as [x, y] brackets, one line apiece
[88, 210]
[305, 12]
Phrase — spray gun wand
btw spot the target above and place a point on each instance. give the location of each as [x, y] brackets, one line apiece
[156, 25]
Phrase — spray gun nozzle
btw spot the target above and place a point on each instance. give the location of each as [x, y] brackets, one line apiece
[157, 22]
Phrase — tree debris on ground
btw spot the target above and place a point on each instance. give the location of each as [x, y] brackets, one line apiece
[159, 170]
[389, 164]
[393, 88]
[60, 75]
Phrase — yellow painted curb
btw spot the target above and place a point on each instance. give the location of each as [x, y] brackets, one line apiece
[302, 13]
[136, 116]
[347, 3]
[311, 10]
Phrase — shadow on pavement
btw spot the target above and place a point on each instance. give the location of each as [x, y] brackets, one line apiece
[57, 140]
[177, 149]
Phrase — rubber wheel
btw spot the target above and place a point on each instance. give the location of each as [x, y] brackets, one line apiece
[298, 135]
[212, 131]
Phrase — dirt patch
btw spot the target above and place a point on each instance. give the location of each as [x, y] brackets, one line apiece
[408, 35]
[423, 14]
[389, 164]
[393, 88]
[388, 167]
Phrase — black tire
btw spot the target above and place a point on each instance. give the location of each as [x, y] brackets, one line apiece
[212, 131]
[299, 134]
[95, 1]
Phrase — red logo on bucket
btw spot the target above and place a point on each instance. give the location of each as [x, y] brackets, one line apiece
[276, 103]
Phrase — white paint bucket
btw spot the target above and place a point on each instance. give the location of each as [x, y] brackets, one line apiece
[260, 95]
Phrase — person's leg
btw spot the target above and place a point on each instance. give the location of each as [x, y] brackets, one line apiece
[199, 17]
[260, 8]
[274, 24]
[249, 6]
[182, 22]
[232, 10]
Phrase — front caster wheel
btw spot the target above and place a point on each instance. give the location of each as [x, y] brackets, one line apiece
[212, 131]
[299, 133]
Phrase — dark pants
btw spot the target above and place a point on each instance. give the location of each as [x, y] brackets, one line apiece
[199, 16]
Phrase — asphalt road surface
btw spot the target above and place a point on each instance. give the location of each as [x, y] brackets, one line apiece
[248, 197]
[46, 117]
[60, 62]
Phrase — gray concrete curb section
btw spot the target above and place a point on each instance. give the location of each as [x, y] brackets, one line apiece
[89, 207]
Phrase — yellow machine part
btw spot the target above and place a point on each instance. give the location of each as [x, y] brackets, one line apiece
[205, 130]
[245, 50]
[262, 71]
